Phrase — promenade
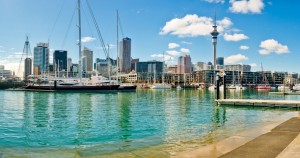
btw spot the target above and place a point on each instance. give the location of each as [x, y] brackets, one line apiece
[280, 140]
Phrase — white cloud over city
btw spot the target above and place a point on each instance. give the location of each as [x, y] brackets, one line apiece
[234, 59]
[192, 25]
[235, 37]
[166, 57]
[173, 45]
[87, 39]
[272, 46]
[214, 1]
[173, 52]
[185, 50]
[242, 47]
[246, 6]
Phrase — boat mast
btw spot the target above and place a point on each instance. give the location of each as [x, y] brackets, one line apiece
[163, 73]
[117, 47]
[79, 43]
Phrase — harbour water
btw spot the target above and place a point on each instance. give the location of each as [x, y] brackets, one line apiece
[127, 124]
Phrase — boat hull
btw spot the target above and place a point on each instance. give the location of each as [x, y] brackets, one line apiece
[133, 87]
[73, 88]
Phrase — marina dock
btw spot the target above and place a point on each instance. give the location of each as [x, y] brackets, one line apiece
[285, 93]
[260, 103]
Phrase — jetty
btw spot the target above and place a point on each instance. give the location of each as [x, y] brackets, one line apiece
[285, 93]
[260, 103]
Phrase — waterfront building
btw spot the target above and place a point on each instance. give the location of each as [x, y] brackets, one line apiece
[74, 68]
[87, 60]
[60, 59]
[184, 64]
[125, 55]
[41, 58]
[131, 77]
[51, 68]
[172, 69]
[133, 61]
[238, 67]
[4, 74]
[220, 63]
[101, 66]
[69, 64]
[149, 70]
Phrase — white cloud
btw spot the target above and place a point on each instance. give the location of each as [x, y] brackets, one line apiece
[272, 46]
[247, 6]
[215, 1]
[235, 37]
[185, 50]
[186, 42]
[233, 59]
[253, 65]
[193, 25]
[244, 47]
[173, 45]
[87, 39]
[166, 57]
[173, 52]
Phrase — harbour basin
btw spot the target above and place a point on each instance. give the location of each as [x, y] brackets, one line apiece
[142, 123]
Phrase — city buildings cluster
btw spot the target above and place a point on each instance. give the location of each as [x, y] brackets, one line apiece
[133, 70]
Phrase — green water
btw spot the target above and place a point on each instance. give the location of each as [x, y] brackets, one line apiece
[99, 124]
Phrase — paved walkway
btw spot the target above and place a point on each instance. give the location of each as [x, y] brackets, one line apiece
[278, 138]
[271, 144]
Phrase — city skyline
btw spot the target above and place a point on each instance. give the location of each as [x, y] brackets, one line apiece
[251, 32]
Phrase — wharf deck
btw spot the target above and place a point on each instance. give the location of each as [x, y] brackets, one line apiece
[285, 93]
[260, 103]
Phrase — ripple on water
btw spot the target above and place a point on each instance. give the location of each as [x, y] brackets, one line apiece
[134, 123]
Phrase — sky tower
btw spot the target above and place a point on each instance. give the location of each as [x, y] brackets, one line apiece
[214, 35]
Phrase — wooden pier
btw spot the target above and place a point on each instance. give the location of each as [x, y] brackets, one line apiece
[260, 103]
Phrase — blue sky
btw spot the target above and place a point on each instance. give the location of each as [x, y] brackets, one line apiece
[251, 31]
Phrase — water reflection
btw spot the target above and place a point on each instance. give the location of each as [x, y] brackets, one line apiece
[124, 104]
[84, 118]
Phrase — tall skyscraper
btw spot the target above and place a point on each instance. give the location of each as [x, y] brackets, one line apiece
[60, 60]
[41, 58]
[220, 61]
[87, 60]
[69, 64]
[125, 55]
[28, 67]
[184, 64]
[28, 60]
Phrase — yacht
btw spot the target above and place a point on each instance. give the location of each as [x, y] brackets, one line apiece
[94, 84]
[161, 86]
[296, 87]
[212, 87]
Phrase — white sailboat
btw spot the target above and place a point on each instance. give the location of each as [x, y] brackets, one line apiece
[80, 84]
[239, 86]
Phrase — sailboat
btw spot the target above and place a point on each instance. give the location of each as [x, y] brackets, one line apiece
[162, 85]
[56, 85]
[265, 85]
[232, 86]
[239, 86]
[123, 86]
